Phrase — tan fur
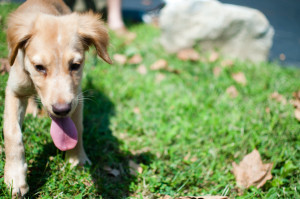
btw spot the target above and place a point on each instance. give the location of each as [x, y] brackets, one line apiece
[45, 32]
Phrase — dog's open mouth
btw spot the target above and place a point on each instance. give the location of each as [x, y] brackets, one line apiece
[64, 133]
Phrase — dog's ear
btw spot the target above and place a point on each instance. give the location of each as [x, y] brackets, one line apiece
[93, 32]
[18, 33]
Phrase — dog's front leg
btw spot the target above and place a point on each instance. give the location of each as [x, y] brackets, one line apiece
[15, 165]
[77, 156]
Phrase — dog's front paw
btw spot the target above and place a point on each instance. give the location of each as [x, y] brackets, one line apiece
[18, 188]
[15, 179]
[78, 159]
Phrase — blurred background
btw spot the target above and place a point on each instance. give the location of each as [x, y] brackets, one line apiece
[283, 15]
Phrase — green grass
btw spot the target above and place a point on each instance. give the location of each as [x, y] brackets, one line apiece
[185, 113]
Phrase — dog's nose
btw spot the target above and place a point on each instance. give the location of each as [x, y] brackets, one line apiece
[61, 109]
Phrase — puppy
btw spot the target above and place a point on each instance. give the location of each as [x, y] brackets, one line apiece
[47, 44]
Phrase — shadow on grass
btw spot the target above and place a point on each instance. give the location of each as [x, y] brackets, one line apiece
[39, 171]
[102, 148]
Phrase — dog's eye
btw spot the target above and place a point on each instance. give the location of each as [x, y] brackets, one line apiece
[40, 68]
[74, 67]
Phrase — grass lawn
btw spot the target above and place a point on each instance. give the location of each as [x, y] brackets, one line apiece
[182, 128]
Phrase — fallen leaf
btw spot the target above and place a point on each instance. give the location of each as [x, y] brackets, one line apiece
[251, 171]
[232, 92]
[217, 71]
[4, 66]
[162, 64]
[140, 151]
[142, 69]
[194, 159]
[268, 110]
[296, 95]
[297, 114]
[296, 104]
[159, 77]
[136, 110]
[187, 157]
[120, 59]
[126, 35]
[282, 57]
[87, 183]
[167, 197]
[227, 63]
[214, 56]
[113, 172]
[135, 59]
[134, 168]
[159, 65]
[203, 197]
[188, 54]
[239, 78]
[279, 98]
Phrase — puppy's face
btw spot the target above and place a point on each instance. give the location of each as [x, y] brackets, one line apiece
[54, 57]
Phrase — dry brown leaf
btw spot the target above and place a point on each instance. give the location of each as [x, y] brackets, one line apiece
[159, 65]
[120, 59]
[297, 114]
[87, 183]
[142, 69]
[282, 57]
[134, 168]
[188, 54]
[113, 172]
[268, 110]
[296, 104]
[203, 197]
[194, 159]
[279, 98]
[159, 77]
[232, 92]
[296, 95]
[140, 151]
[251, 171]
[187, 157]
[162, 64]
[214, 56]
[239, 78]
[4, 66]
[126, 35]
[227, 63]
[217, 71]
[135, 59]
[137, 110]
[167, 197]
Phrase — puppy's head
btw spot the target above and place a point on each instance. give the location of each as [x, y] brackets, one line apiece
[53, 54]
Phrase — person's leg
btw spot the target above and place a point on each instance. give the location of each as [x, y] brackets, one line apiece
[115, 20]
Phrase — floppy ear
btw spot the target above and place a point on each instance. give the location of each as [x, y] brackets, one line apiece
[18, 33]
[92, 31]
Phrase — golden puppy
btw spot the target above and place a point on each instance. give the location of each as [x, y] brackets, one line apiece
[47, 44]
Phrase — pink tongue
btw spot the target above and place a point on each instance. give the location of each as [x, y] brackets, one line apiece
[63, 133]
